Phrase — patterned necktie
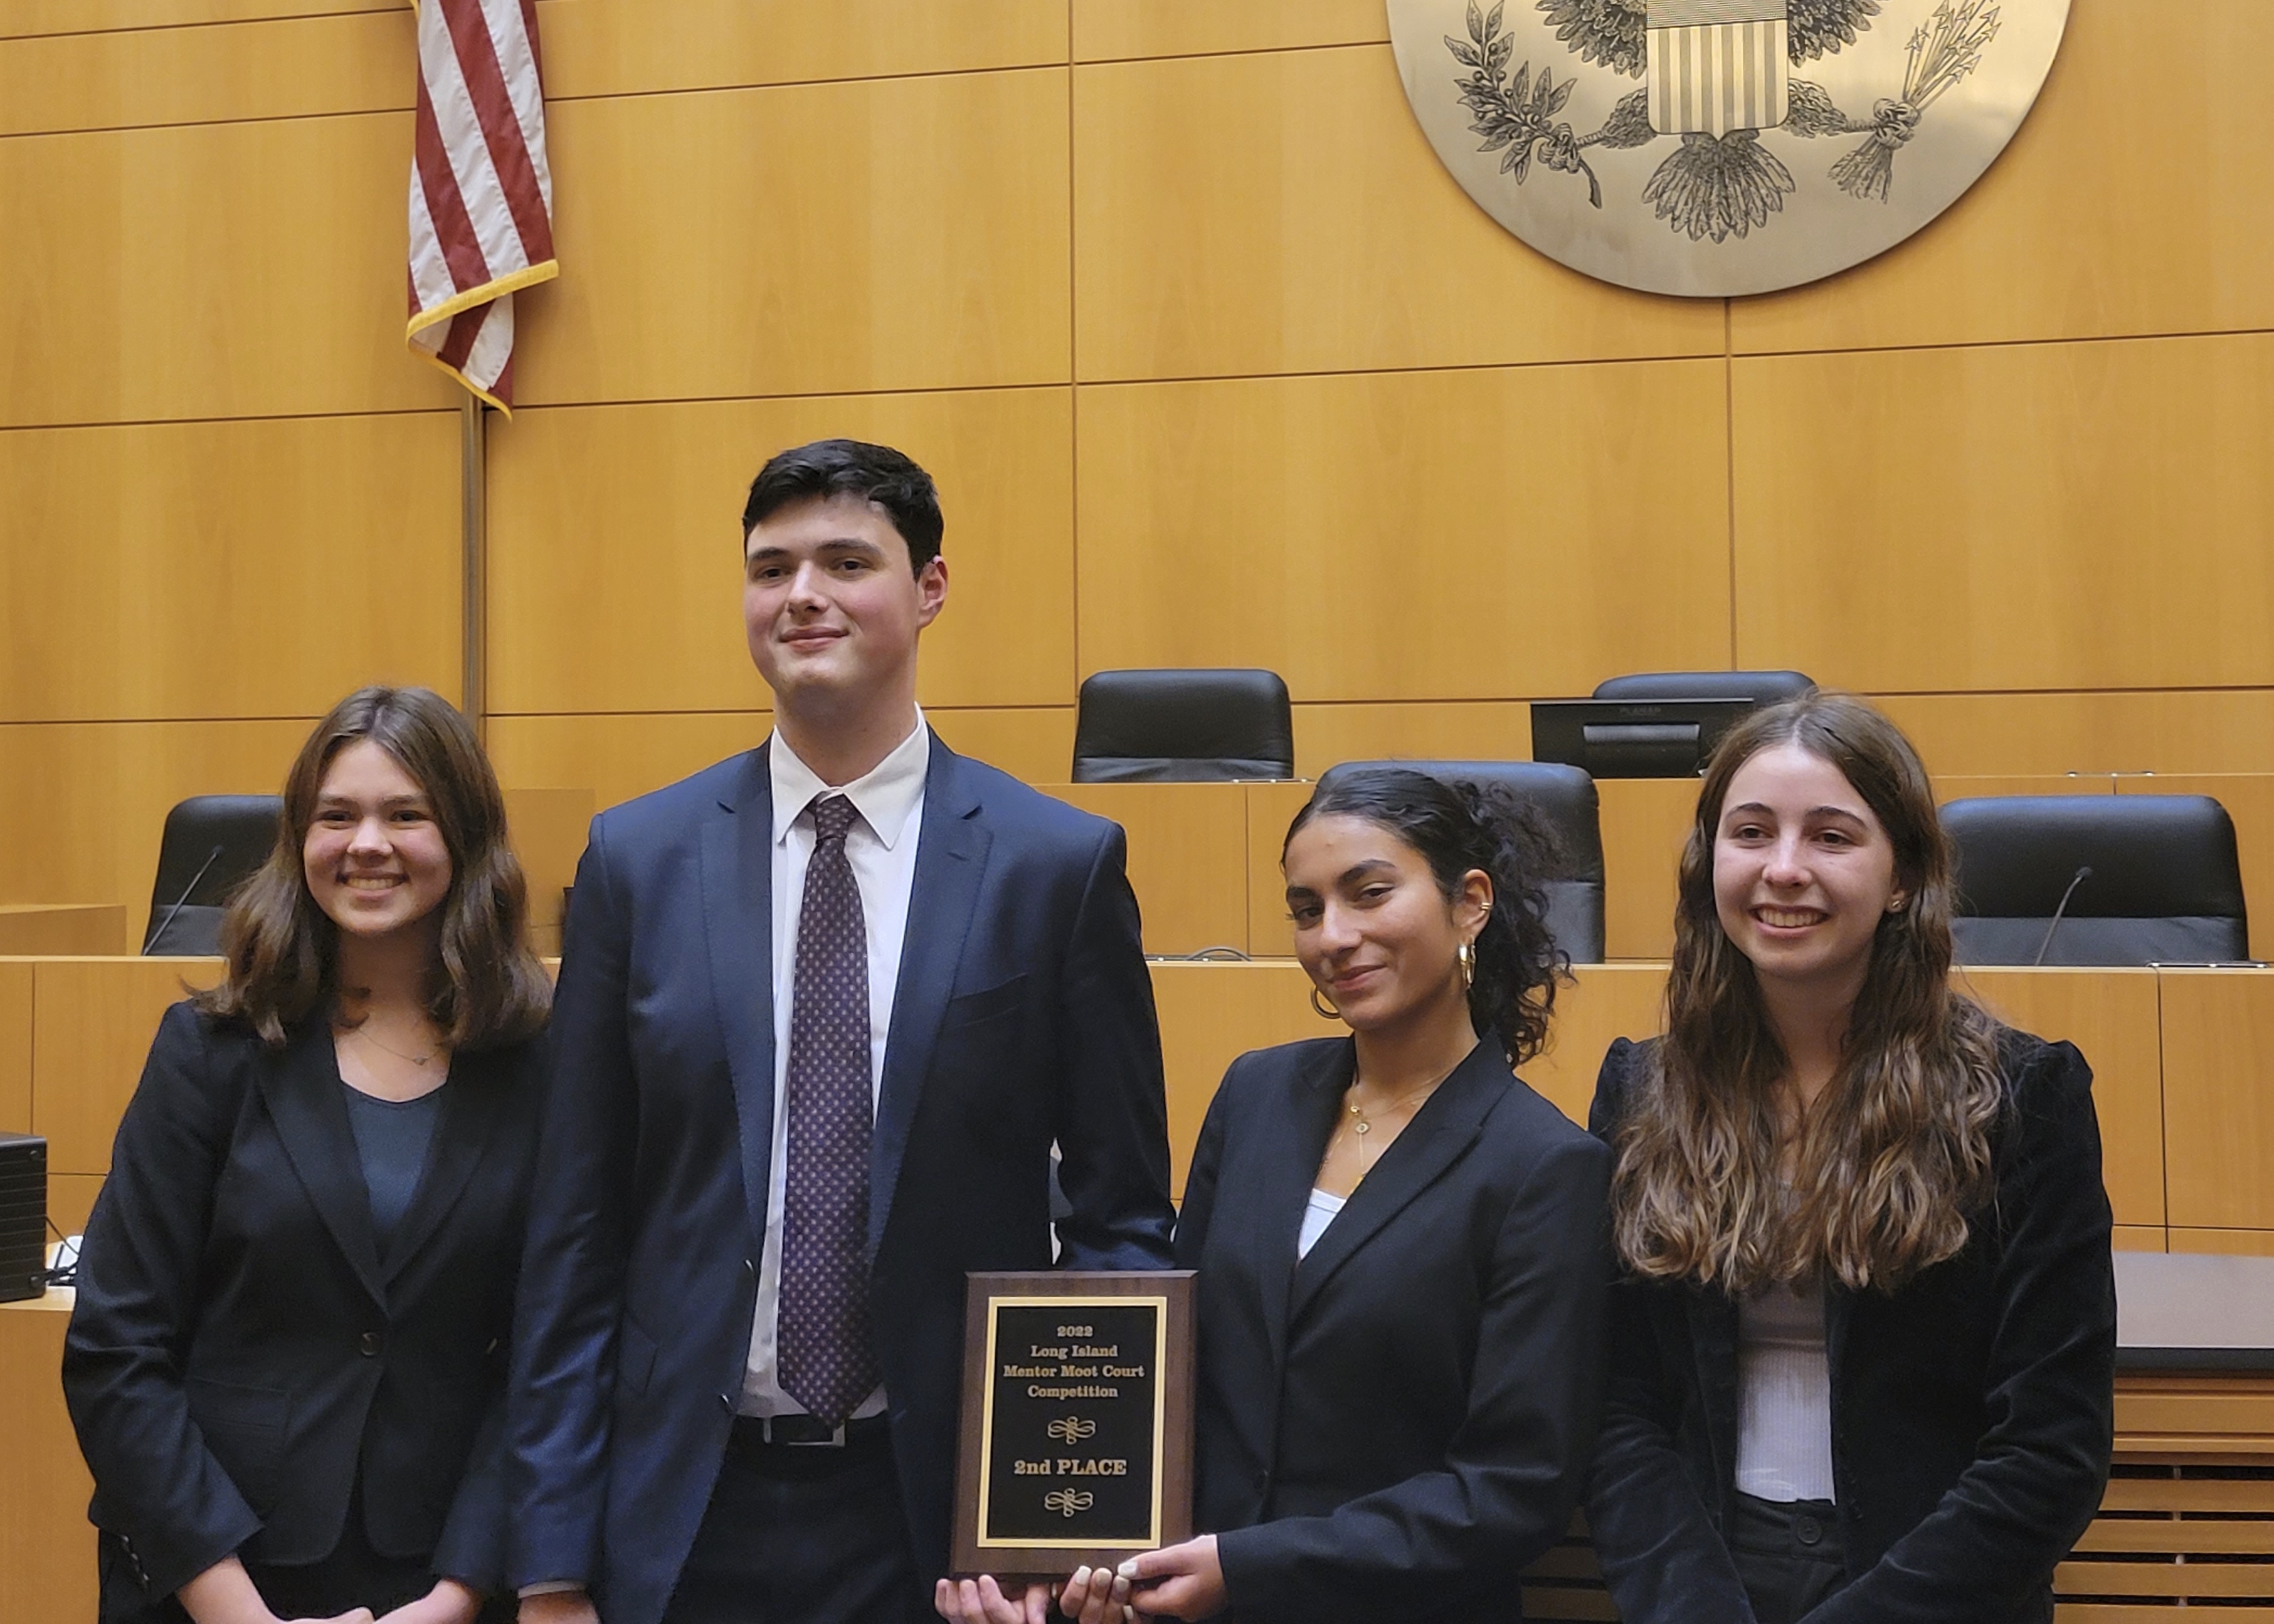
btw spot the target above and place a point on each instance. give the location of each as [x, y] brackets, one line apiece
[825, 1356]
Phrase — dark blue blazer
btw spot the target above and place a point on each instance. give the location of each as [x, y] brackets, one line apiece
[1024, 1015]
[1392, 1428]
[242, 1354]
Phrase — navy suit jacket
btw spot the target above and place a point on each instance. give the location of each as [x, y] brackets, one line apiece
[1023, 1015]
[241, 1353]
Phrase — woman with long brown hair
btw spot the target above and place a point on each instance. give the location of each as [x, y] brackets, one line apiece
[1864, 1346]
[286, 1363]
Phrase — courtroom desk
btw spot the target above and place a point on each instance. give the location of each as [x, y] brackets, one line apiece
[47, 1545]
[62, 928]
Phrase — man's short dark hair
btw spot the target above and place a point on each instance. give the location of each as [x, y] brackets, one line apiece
[877, 473]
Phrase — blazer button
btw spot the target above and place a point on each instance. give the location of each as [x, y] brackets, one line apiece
[368, 1344]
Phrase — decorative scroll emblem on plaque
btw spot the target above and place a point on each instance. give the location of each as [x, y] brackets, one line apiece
[1721, 146]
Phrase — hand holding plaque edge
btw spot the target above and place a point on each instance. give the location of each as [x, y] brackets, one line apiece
[1183, 1582]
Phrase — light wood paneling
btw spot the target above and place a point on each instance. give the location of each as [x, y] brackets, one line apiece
[1271, 808]
[93, 1021]
[880, 234]
[2097, 221]
[1603, 1003]
[616, 556]
[1034, 744]
[2219, 1114]
[2210, 1413]
[1454, 535]
[226, 570]
[1283, 212]
[1970, 786]
[620, 756]
[233, 270]
[1646, 823]
[2137, 1238]
[90, 832]
[1107, 30]
[71, 1198]
[2112, 1017]
[22, 18]
[2173, 731]
[1996, 518]
[2245, 1243]
[47, 1545]
[355, 62]
[1210, 1015]
[547, 826]
[1459, 731]
[15, 1047]
[62, 927]
[2248, 799]
[1187, 858]
[602, 48]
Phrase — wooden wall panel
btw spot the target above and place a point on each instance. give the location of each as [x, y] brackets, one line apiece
[2218, 1115]
[2098, 221]
[46, 1542]
[1211, 1015]
[2244, 1243]
[356, 63]
[95, 1018]
[599, 48]
[1479, 730]
[881, 234]
[21, 19]
[1227, 223]
[1035, 745]
[15, 1047]
[2112, 1017]
[62, 927]
[2003, 517]
[2138, 1237]
[1606, 1002]
[616, 556]
[226, 570]
[1187, 845]
[2169, 731]
[1646, 824]
[1106, 30]
[209, 271]
[1453, 534]
[87, 828]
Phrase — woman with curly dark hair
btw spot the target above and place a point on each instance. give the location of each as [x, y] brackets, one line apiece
[286, 1364]
[1402, 1248]
[1863, 1352]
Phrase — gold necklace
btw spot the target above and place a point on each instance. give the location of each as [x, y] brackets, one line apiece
[361, 1034]
[1361, 1126]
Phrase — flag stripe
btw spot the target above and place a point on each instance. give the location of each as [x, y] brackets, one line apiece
[446, 206]
[501, 132]
[465, 148]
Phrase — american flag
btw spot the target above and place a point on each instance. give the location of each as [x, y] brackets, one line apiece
[481, 196]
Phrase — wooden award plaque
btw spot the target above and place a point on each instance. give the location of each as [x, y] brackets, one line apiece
[1077, 1440]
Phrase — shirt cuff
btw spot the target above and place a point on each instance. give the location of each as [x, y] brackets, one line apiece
[552, 1586]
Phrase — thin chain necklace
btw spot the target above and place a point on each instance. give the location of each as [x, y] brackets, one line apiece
[1362, 1126]
[362, 1034]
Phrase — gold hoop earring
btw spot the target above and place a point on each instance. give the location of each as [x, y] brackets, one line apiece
[1467, 959]
[1326, 1012]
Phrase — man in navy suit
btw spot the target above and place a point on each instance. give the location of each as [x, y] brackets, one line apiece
[825, 1010]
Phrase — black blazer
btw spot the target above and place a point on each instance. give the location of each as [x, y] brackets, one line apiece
[1394, 1427]
[239, 1345]
[1972, 1411]
[1023, 1016]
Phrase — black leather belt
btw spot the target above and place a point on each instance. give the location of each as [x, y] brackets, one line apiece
[808, 1432]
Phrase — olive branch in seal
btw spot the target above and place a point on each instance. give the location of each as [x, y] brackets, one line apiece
[1517, 115]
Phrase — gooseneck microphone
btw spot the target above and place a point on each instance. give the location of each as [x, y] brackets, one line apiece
[159, 929]
[2082, 874]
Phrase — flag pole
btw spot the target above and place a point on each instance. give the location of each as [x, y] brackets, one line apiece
[474, 544]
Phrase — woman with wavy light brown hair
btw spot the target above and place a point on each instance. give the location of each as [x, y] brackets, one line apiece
[1863, 1344]
[286, 1364]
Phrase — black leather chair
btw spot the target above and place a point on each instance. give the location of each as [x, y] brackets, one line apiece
[1565, 797]
[2164, 886]
[1183, 727]
[211, 844]
[1763, 687]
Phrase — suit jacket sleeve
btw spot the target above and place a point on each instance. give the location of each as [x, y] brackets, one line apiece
[1660, 1554]
[1199, 1205]
[1515, 1469]
[158, 1488]
[573, 1268]
[1113, 1124]
[2038, 1473]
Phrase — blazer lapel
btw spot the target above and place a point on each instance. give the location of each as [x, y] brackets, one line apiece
[302, 1088]
[1446, 1126]
[473, 1101]
[738, 921]
[1712, 1316]
[950, 864]
[1286, 1174]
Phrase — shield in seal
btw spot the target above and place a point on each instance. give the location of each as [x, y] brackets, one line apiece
[1718, 66]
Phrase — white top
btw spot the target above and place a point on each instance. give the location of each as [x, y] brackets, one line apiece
[1316, 1216]
[881, 847]
[1784, 1396]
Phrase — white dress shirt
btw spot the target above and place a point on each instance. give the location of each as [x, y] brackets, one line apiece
[881, 847]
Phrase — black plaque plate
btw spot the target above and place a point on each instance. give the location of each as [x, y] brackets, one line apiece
[1077, 1421]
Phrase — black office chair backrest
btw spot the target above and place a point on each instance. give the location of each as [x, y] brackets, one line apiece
[1564, 798]
[211, 844]
[1183, 727]
[2165, 885]
[1763, 687]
